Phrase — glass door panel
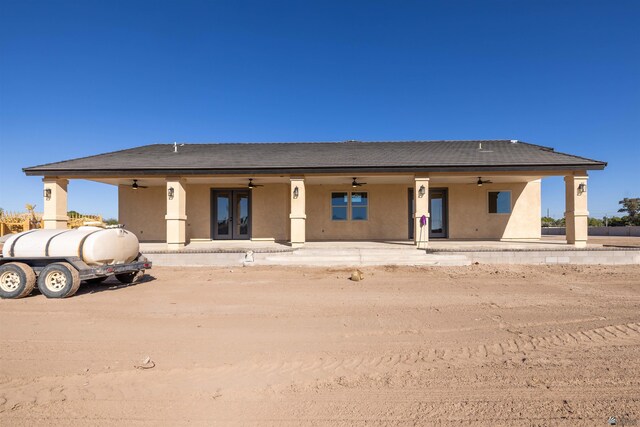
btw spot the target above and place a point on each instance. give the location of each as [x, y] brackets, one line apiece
[411, 209]
[231, 214]
[223, 215]
[438, 213]
[241, 222]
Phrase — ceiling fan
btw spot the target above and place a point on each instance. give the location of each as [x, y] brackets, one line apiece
[481, 181]
[135, 185]
[252, 185]
[355, 183]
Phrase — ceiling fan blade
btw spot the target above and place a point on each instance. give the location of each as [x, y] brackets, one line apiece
[135, 185]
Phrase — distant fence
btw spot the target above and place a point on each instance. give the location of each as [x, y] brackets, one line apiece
[596, 231]
[17, 222]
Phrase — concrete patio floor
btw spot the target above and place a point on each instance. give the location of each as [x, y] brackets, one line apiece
[547, 243]
[548, 250]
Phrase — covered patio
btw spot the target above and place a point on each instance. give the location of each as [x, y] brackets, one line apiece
[421, 193]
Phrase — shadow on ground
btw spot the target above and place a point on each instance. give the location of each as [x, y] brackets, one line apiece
[111, 284]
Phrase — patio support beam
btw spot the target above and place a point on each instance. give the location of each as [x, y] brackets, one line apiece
[421, 201]
[576, 214]
[55, 203]
[176, 217]
[297, 215]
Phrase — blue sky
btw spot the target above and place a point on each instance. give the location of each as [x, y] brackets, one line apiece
[81, 78]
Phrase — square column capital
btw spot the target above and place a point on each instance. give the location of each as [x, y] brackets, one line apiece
[55, 180]
[177, 179]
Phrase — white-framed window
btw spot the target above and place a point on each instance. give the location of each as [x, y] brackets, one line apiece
[347, 206]
[499, 202]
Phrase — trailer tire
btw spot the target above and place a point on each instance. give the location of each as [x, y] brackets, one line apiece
[59, 280]
[96, 280]
[17, 280]
[131, 277]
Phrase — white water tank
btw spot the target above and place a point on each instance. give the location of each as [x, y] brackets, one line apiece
[94, 245]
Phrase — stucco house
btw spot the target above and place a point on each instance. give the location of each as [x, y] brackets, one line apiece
[353, 190]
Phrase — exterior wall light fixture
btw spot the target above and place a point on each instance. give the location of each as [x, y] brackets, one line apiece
[296, 192]
[47, 193]
[421, 191]
[170, 193]
[582, 188]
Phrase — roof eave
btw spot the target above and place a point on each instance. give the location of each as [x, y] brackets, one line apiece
[258, 171]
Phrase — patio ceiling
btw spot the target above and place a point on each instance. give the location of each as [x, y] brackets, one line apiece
[321, 179]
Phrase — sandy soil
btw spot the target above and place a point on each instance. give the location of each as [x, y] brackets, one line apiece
[622, 241]
[484, 345]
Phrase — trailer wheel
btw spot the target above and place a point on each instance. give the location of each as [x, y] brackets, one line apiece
[131, 277]
[58, 280]
[17, 280]
[96, 280]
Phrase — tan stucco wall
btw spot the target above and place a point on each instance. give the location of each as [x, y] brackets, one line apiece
[198, 212]
[142, 212]
[270, 212]
[388, 214]
[469, 216]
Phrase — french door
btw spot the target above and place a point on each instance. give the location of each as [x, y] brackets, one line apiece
[230, 214]
[438, 213]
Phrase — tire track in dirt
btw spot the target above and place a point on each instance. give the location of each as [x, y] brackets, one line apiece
[628, 333]
[282, 371]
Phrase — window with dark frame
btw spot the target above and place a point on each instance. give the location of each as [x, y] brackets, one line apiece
[359, 206]
[339, 206]
[500, 202]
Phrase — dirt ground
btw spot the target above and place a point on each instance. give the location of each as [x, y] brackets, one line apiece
[486, 345]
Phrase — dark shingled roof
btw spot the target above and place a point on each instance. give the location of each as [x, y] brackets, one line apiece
[295, 157]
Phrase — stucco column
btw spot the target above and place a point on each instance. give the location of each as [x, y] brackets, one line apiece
[298, 216]
[421, 204]
[576, 214]
[55, 203]
[176, 217]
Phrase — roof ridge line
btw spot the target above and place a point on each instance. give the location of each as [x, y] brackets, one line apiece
[335, 142]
